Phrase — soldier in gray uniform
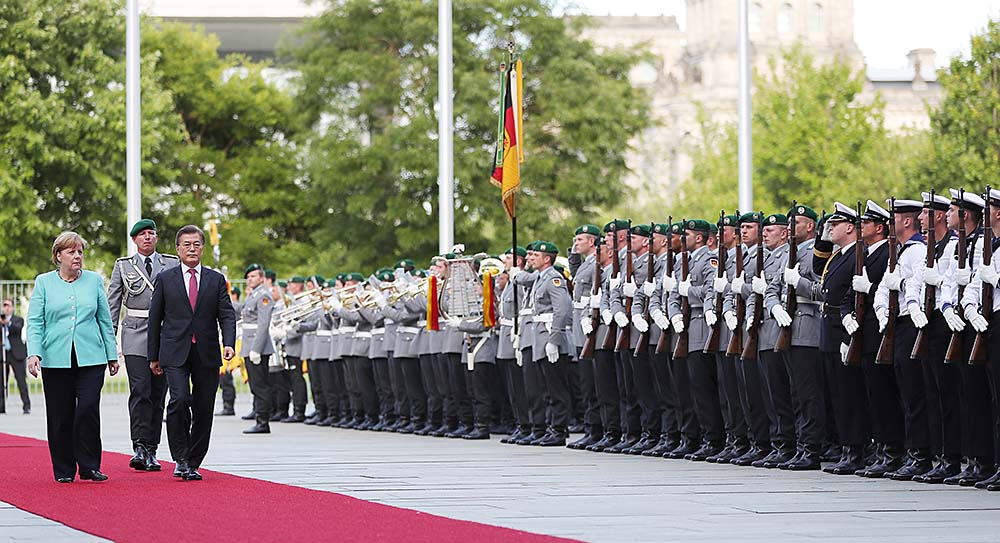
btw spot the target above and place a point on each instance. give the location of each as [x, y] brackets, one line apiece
[458, 402]
[406, 353]
[334, 393]
[397, 381]
[427, 345]
[378, 353]
[534, 381]
[358, 363]
[257, 347]
[802, 361]
[507, 366]
[583, 261]
[131, 288]
[297, 341]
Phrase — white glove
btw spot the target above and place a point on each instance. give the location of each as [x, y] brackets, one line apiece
[710, 317]
[882, 314]
[607, 317]
[719, 284]
[792, 276]
[629, 289]
[758, 284]
[731, 321]
[660, 319]
[678, 323]
[861, 283]
[548, 328]
[334, 303]
[587, 326]
[279, 333]
[669, 282]
[892, 280]
[254, 357]
[379, 298]
[780, 315]
[518, 357]
[684, 287]
[595, 300]
[977, 321]
[917, 315]
[615, 281]
[932, 277]
[850, 323]
[825, 234]
[738, 283]
[640, 324]
[515, 340]
[989, 274]
[648, 288]
[621, 319]
[552, 353]
[963, 276]
[843, 352]
[955, 323]
[453, 322]
[513, 273]
[749, 320]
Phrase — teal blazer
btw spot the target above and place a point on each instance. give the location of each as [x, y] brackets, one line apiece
[63, 314]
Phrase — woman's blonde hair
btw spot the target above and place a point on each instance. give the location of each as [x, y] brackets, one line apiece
[66, 240]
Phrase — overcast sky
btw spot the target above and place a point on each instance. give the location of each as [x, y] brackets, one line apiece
[885, 30]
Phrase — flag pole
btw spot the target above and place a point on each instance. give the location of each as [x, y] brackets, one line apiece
[513, 201]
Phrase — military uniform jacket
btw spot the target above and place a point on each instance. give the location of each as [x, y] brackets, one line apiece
[640, 274]
[947, 293]
[294, 338]
[702, 265]
[505, 344]
[129, 287]
[749, 270]
[553, 310]
[583, 282]
[774, 267]
[418, 305]
[876, 262]
[973, 295]
[481, 344]
[807, 321]
[407, 332]
[355, 332]
[336, 337]
[526, 332]
[376, 345]
[725, 334]
[640, 301]
[451, 338]
[256, 318]
[660, 300]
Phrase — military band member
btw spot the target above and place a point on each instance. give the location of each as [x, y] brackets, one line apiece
[257, 347]
[406, 353]
[480, 357]
[379, 355]
[299, 344]
[427, 347]
[339, 395]
[397, 381]
[131, 289]
[534, 380]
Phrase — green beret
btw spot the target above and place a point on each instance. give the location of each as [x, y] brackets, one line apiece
[641, 230]
[731, 220]
[341, 277]
[521, 252]
[297, 279]
[546, 247]
[661, 228]
[354, 276]
[697, 225]
[252, 267]
[752, 216]
[803, 210]
[531, 246]
[330, 283]
[713, 228]
[270, 274]
[450, 256]
[236, 291]
[591, 229]
[140, 225]
[617, 224]
[318, 278]
[776, 219]
[385, 275]
[420, 273]
[677, 227]
[405, 263]
[282, 284]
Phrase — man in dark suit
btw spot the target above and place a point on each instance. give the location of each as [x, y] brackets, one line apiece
[190, 305]
[13, 354]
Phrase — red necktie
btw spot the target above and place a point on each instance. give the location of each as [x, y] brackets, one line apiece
[192, 295]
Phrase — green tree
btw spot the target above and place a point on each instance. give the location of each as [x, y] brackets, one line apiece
[367, 90]
[814, 141]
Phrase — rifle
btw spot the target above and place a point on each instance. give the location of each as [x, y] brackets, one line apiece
[609, 340]
[595, 314]
[785, 334]
[854, 348]
[681, 349]
[663, 344]
[643, 345]
[919, 351]
[979, 346]
[753, 334]
[713, 339]
[625, 333]
[955, 350]
[886, 349]
[736, 341]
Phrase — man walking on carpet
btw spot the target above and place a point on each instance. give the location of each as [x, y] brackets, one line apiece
[190, 305]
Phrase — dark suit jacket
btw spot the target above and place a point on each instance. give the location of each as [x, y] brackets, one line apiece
[876, 263]
[172, 322]
[836, 284]
[17, 348]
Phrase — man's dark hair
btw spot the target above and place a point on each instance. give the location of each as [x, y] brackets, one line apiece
[189, 229]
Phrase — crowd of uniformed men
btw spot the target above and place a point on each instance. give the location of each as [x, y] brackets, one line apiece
[374, 364]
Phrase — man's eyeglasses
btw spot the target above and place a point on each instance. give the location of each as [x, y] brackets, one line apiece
[191, 245]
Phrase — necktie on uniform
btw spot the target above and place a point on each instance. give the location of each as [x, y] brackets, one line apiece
[149, 267]
[192, 294]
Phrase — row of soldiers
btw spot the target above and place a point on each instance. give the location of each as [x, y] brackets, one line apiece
[776, 340]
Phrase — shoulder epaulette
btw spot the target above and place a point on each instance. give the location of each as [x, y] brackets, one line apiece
[175, 257]
[121, 258]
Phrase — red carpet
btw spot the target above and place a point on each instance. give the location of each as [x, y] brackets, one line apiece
[150, 507]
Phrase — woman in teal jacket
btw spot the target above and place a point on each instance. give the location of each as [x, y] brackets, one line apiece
[71, 339]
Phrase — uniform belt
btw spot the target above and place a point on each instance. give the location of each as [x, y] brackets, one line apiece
[389, 321]
[543, 318]
[408, 329]
[378, 331]
[348, 329]
[526, 311]
[807, 301]
[507, 322]
[252, 326]
[335, 332]
[137, 313]
[363, 335]
[324, 333]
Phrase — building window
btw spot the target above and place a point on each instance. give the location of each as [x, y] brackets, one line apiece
[785, 19]
[756, 10]
[816, 19]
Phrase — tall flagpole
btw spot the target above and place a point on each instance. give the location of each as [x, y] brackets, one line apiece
[446, 173]
[745, 135]
[133, 122]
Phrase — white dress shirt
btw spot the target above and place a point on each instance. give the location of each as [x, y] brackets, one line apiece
[186, 271]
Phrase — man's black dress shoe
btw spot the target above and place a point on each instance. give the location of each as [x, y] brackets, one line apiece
[226, 412]
[64, 479]
[95, 475]
[138, 460]
[192, 475]
[181, 468]
[555, 438]
[151, 463]
[249, 416]
[479, 432]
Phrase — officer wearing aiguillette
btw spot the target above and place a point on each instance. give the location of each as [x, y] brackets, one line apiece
[131, 289]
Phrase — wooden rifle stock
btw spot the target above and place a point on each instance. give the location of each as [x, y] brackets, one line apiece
[735, 347]
[919, 351]
[855, 347]
[663, 344]
[979, 345]
[791, 304]
[712, 345]
[595, 313]
[643, 345]
[753, 334]
[886, 349]
[681, 349]
[609, 340]
[955, 350]
[625, 332]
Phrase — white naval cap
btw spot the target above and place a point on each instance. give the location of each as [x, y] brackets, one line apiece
[938, 202]
[994, 197]
[908, 206]
[875, 212]
[968, 200]
[843, 213]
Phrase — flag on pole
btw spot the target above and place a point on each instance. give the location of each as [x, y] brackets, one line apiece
[433, 324]
[489, 307]
[509, 153]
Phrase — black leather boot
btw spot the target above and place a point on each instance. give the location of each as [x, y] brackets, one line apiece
[948, 466]
[138, 460]
[918, 462]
